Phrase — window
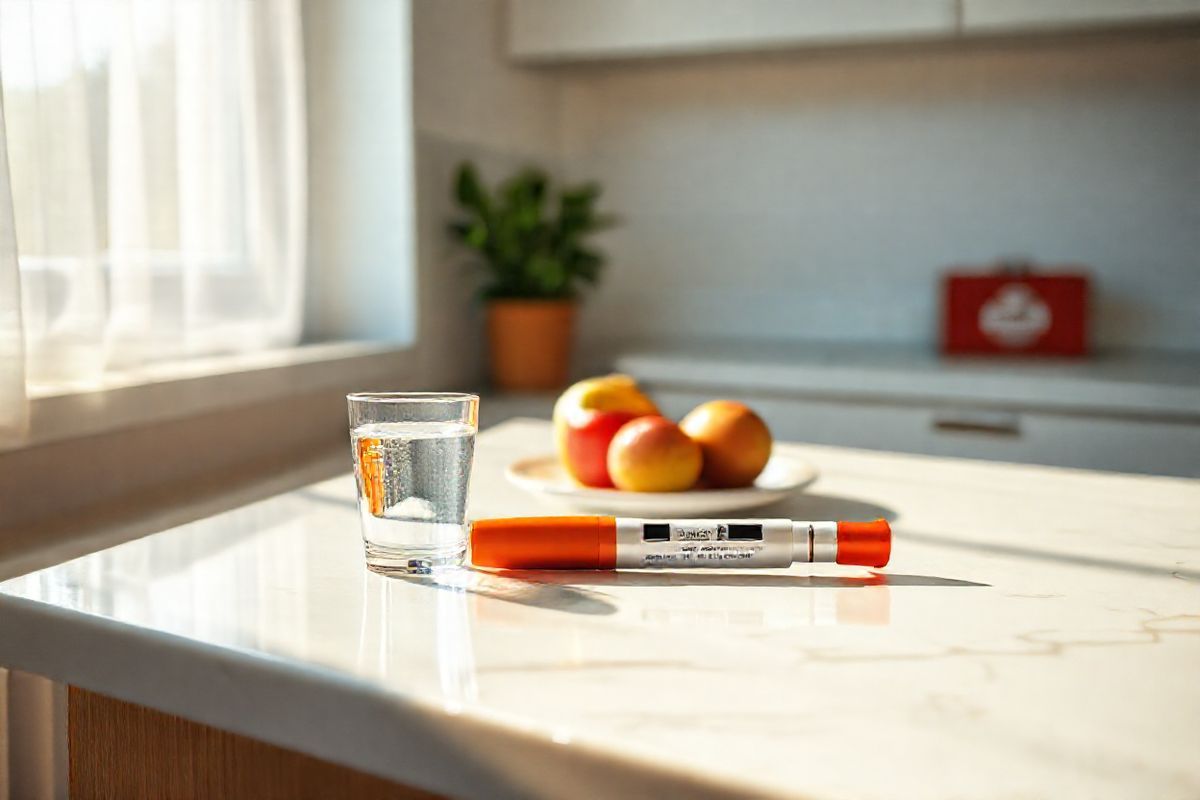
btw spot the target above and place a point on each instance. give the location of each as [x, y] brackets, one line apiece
[156, 183]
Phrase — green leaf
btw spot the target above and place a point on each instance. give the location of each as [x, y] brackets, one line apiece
[532, 246]
[470, 192]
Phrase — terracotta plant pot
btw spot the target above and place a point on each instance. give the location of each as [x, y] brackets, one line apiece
[529, 342]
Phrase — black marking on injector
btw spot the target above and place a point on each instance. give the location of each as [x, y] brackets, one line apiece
[745, 531]
[656, 532]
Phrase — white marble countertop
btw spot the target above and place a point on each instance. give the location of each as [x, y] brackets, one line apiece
[1137, 383]
[1036, 635]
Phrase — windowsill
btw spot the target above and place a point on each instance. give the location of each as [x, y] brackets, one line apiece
[174, 390]
[172, 442]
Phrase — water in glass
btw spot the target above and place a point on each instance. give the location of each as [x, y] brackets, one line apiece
[412, 482]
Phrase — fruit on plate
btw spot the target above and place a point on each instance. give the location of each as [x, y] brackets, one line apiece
[652, 454]
[586, 445]
[587, 417]
[735, 441]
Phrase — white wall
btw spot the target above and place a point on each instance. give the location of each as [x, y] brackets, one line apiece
[469, 104]
[400, 92]
[819, 195]
[361, 245]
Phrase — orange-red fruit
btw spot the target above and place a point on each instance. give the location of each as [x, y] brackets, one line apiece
[587, 416]
[735, 441]
[589, 435]
[652, 454]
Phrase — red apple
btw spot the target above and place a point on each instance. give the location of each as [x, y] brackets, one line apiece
[587, 416]
[588, 433]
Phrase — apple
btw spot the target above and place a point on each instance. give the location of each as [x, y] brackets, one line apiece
[652, 454]
[588, 437]
[587, 416]
[735, 441]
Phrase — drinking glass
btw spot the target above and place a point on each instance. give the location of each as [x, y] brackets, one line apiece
[412, 462]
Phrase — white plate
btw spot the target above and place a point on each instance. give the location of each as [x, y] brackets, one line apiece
[545, 477]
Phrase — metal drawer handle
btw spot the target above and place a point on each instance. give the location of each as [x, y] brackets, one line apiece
[985, 423]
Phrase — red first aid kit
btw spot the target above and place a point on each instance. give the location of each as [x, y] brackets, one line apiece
[1011, 309]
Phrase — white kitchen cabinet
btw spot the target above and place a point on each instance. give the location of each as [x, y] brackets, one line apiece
[1125, 445]
[1135, 412]
[994, 16]
[563, 30]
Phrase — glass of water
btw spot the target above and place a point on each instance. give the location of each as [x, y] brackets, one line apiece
[412, 461]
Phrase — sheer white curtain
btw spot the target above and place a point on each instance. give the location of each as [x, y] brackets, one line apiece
[153, 205]
[12, 346]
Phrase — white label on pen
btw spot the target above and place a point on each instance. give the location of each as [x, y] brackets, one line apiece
[694, 533]
[704, 555]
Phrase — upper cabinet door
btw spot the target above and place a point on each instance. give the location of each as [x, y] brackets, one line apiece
[568, 30]
[995, 16]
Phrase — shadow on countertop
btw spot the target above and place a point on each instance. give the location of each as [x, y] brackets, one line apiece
[1071, 559]
[812, 506]
[509, 587]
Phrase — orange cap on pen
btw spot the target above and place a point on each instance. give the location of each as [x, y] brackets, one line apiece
[545, 543]
[866, 544]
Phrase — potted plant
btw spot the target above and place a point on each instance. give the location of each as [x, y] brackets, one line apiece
[531, 246]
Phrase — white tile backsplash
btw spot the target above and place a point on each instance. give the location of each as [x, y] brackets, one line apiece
[820, 195]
